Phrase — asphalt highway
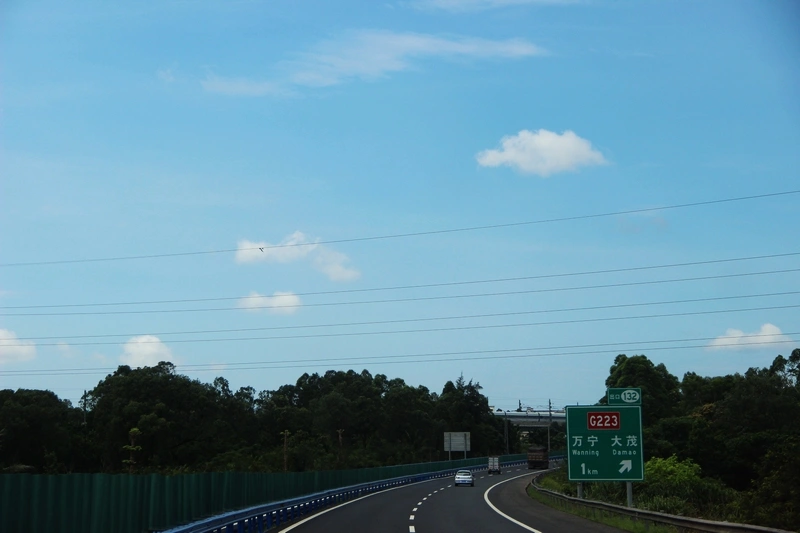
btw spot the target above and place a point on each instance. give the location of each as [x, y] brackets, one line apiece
[496, 504]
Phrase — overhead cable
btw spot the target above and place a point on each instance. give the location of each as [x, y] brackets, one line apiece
[403, 235]
[431, 330]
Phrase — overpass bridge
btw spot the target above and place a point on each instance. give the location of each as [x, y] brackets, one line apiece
[531, 418]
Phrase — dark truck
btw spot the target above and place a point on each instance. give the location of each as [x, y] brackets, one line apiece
[538, 458]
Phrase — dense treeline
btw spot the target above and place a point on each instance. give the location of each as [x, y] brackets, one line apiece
[155, 420]
[723, 447]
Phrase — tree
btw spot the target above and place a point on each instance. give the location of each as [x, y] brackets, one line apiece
[757, 412]
[132, 449]
[42, 431]
[774, 501]
[182, 421]
[462, 407]
[660, 389]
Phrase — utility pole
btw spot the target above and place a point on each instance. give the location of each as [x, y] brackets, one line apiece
[506, 430]
[83, 407]
[339, 458]
[285, 434]
[549, 423]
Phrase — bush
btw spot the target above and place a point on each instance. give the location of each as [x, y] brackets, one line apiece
[664, 504]
[677, 487]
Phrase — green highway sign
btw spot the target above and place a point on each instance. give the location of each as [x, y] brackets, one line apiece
[629, 396]
[604, 443]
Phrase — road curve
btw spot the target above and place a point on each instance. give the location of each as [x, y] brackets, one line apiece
[512, 500]
[496, 504]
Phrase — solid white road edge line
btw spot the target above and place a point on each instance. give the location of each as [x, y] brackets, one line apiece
[501, 513]
[304, 520]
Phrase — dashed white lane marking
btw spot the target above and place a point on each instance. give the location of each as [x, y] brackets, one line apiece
[411, 517]
[425, 498]
[501, 513]
[414, 510]
[317, 515]
[411, 529]
[419, 503]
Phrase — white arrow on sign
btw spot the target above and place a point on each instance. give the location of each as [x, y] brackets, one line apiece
[627, 466]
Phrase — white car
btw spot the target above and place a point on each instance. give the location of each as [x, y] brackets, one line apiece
[464, 477]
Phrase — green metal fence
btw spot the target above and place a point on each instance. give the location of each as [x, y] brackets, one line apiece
[101, 503]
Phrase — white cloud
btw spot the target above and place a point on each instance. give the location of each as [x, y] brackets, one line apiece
[12, 350]
[641, 222]
[241, 87]
[736, 339]
[372, 54]
[280, 303]
[145, 350]
[542, 152]
[334, 265]
[475, 5]
[368, 55]
[65, 350]
[295, 246]
[166, 75]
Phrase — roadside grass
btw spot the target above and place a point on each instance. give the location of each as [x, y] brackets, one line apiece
[621, 522]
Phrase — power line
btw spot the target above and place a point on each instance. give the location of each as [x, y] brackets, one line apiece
[402, 357]
[407, 320]
[461, 283]
[403, 235]
[366, 302]
[433, 330]
[488, 357]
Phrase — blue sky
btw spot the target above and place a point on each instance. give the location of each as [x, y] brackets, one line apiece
[423, 178]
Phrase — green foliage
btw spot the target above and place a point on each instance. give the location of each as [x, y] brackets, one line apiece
[671, 472]
[622, 523]
[132, 449]
[677, 487]
[557, 481]
[154, 420]
[41, 432]
[660, 389]
[722, 447]
[774, 500]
